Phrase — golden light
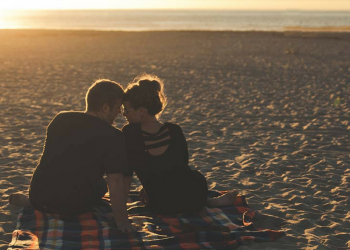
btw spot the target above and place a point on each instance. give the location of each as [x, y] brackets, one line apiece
[5, 5]
[29, 4]
[178, 4]
[2, 20]
[78, 4]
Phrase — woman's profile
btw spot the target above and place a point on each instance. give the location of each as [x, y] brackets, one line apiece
[158, 154]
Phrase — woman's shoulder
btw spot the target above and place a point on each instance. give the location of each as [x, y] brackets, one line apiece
[131, 130]
[131, 127]
[133, 137]
[173, 127]
[135, 129]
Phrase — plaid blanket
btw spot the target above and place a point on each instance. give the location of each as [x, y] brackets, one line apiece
[212, 228]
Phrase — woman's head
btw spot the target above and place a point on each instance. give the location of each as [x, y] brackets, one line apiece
[146, 96]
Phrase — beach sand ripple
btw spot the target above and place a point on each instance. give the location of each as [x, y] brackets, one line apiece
[265, 113]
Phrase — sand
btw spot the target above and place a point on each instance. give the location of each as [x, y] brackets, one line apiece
[265, 113]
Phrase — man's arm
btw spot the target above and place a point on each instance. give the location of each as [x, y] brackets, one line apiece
[118, 200]
[127, 181]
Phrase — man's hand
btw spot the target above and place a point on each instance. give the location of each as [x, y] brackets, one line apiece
[126, 227]
[117, 194]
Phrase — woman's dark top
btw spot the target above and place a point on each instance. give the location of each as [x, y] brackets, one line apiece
[171, 186]
[79, 150]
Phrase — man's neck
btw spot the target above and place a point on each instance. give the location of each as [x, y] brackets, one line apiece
[94, 113]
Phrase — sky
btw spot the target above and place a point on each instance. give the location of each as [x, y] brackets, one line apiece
[179, 4]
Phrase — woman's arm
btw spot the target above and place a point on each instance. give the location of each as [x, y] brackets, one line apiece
[184, 145]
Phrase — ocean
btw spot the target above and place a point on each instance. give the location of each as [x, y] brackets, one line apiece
[145, 20]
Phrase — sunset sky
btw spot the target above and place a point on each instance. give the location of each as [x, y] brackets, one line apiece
[179, 4]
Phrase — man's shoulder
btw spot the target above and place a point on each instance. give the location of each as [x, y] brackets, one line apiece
[61, 117]
[69, 114]
[67, 117]
[83, 120]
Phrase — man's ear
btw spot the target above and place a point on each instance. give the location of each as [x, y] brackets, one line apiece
[105, 108]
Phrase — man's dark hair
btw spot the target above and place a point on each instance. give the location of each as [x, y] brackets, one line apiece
[101, 92]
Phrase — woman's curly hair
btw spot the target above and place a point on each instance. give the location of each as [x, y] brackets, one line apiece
[146, 91]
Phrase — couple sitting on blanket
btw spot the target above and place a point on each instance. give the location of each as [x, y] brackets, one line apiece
[82, 147]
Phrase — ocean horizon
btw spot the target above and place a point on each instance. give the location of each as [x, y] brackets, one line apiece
[168, 20]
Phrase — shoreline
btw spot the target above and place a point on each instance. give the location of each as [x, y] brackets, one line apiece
[289, 29]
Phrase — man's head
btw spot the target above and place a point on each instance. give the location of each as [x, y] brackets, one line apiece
[104, 99]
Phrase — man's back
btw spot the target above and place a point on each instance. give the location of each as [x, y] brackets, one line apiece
[79, 150]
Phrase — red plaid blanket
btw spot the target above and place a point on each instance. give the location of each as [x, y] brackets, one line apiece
[212, 228]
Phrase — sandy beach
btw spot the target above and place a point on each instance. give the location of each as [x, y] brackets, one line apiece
[266, 113]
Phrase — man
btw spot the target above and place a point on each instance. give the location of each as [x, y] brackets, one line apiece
[80, 148]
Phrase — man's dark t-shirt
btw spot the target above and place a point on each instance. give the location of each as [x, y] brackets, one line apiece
[79, 149]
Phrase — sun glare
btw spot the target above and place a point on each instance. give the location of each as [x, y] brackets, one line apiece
[170, 4]
[7, 5]
[9, 19]
[68, 4]
[2, 20]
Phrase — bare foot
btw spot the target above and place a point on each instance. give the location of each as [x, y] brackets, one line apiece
[223, 200]
[19, 200]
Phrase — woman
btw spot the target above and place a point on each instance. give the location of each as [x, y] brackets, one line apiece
[158, 154]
